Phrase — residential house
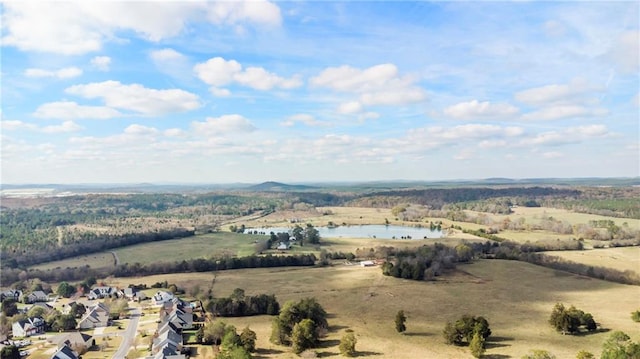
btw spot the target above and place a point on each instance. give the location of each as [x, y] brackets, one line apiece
[65, 352]
[95, 317]
[178, 312]
[14, 294]
[73, 340]
[161, 297]
[283, 246]
[28, 327]
[101, 293]
[367, 263]
[132, 294]
[37, 296]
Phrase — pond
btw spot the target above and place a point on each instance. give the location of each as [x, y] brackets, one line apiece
[364, 231]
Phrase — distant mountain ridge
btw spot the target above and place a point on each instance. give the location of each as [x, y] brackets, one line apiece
[271, 186]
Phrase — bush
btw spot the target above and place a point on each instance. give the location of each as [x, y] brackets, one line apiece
[348, 345]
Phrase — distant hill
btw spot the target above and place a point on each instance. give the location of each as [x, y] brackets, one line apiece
[271, 186]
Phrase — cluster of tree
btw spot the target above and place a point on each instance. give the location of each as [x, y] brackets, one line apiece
[617, 346]
[427, 261]
[571, 320]
[239, 305]
[234, 345]
[468, 330]
[215, 264]
[300, 325]
[27, 256]
[436, 198]
[17, 276]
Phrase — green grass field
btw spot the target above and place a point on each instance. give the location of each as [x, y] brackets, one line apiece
[515, 297]
[200, 246]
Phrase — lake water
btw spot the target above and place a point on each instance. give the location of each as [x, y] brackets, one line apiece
[363, 231]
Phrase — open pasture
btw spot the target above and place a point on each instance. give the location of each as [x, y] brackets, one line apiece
[515, 297]
[536, 214]
[94, 260]
[621, 258]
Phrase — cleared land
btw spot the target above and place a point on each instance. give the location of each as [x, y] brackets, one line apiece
[622, 258]
[515, 297]
[536, 214]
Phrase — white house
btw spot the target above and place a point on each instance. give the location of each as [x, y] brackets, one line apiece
[28, 327]
[283, 246]
[101, 292]
[367, 263]
[161, 297]
[37, 296]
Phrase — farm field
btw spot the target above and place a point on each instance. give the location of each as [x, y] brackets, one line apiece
[199, 246]
[515, 297]
[94, 260]
[535, 214]
[621, 258]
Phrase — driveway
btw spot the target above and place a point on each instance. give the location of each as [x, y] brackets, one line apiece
[128, 335]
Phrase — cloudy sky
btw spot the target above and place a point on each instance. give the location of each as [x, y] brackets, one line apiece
[249, 91]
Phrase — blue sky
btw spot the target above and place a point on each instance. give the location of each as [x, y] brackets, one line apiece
[249, 91]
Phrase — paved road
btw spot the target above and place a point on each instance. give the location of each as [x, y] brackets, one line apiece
[128, 335]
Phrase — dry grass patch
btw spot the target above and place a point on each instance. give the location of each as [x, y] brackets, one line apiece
[515, 297]
[621, 258]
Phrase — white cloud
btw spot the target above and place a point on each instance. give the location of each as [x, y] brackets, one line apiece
[566, 136]
[66, 126]
[102, 63]
[222, 125]
[140, 130]
[65, 73]
[175, 132]
[137, 98]
[72, 110]
[350, 107]
[80, 27]
[564, 111]
[302, 118]
[464, 155]
[555, 94]
[625, 52]
[219, 72]
[552, 154]
[255, 11]
[475, 109]
[376, 85]
[166, 54]
[13, 125]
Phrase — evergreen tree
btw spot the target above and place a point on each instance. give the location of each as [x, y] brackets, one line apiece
[400, 321]
[303, 336]
[248, 339]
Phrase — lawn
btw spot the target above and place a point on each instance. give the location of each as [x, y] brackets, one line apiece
[515, 297]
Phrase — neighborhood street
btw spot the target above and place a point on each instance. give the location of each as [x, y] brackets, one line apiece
[128, 335]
